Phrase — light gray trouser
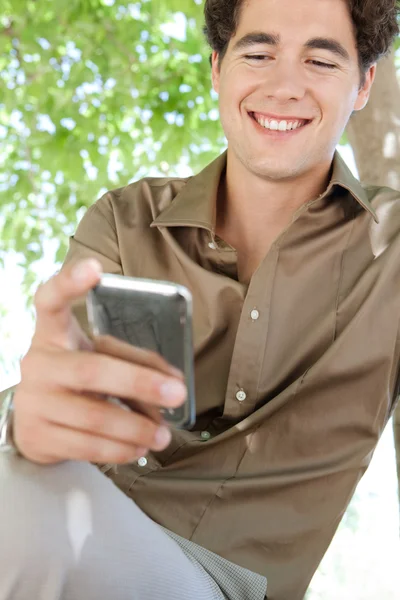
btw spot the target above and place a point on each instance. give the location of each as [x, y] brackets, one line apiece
[68, 533]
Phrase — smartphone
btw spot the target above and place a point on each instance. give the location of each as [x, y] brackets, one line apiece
[156, 315]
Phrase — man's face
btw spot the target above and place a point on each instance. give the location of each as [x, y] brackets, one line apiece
[288, 84]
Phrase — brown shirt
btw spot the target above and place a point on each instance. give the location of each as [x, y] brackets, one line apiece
[296, 373]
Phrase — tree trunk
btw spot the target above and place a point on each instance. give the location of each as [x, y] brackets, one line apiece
[374, 134]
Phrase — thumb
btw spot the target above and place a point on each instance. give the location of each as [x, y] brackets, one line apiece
[53, 301]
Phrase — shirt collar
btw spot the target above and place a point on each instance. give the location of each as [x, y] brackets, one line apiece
[343, 177]
[195, 204]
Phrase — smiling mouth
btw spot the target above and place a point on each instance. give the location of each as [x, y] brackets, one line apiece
[279, 125]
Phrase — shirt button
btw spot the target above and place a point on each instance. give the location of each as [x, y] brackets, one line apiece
[205, 435]
[241, 396]
[255, 314]
[212, 246]
[142, 462]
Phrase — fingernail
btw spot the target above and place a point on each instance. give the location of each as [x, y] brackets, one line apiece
[173, 390]
[162, 437]
[85, 269]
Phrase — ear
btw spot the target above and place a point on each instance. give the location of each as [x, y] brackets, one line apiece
[215, 73]
[365, 89]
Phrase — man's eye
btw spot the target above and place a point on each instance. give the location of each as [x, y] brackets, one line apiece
[258, 57]
[324, 65]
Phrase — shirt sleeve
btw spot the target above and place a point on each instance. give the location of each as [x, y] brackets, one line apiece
[95, 237]
[396, 399]
[395, 406]
[4, 393]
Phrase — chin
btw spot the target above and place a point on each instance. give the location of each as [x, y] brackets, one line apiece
[275, 171]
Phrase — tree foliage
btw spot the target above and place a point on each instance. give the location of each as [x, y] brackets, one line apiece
[95, 93]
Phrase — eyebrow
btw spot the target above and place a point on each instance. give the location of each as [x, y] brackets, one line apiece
[254, 38]
[320, 43]
[272, 39]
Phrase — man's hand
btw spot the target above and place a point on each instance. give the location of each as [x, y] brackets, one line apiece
[60, 411]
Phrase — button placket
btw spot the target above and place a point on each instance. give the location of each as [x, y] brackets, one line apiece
[251, 341]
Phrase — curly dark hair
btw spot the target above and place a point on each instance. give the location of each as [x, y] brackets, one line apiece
[375, 23]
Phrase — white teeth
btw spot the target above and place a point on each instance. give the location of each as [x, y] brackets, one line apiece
[275, 125]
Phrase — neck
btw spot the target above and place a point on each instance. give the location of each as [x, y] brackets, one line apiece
[253, 211]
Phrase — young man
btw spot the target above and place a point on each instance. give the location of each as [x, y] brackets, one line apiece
[294, 270]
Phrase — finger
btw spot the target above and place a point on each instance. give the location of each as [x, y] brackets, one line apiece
[102, 419]
[107, 344]
[102, 374]
[54, 298]
[61, 443]
[152, 412]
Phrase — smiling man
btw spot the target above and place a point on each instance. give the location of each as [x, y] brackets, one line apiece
[287, 89]
[294, 270]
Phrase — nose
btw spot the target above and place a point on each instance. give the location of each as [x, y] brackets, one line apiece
[285, 82]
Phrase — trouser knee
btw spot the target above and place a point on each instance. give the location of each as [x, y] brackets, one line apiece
[35, 545]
